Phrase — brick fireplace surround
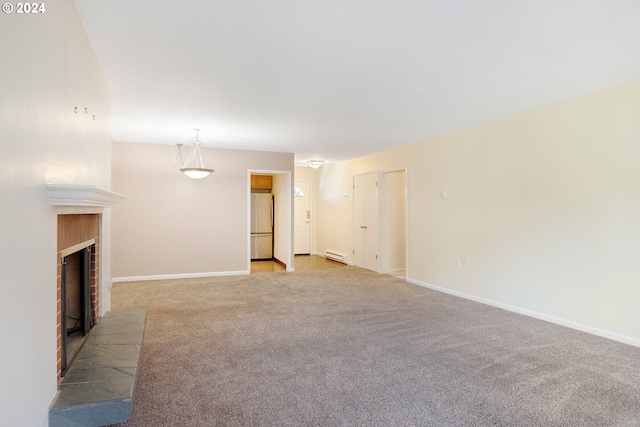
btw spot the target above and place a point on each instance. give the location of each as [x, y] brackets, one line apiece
[102, 396]
[76, 232]
[79, 226]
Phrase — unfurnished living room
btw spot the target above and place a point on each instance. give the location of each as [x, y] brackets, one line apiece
[353, 213]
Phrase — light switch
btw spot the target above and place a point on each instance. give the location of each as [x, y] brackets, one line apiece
[444, 194]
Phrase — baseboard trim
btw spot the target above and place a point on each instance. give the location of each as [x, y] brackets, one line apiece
[541, 316]
[178, 276]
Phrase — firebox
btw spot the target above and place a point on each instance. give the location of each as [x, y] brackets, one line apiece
[77, 283]
[77, 304]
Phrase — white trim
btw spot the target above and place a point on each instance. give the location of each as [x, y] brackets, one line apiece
[383, 172]
[558, 321]
[83, 195]
[178, 276]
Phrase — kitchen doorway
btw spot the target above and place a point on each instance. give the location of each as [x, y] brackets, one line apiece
[281, 190]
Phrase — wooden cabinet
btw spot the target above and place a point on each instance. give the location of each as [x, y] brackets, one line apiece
[261, 182]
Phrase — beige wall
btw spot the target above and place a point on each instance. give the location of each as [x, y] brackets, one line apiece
[175, 225]
[543, 207]
[49, 68]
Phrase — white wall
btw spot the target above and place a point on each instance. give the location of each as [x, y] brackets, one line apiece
[49, 68]
[543, 206]
[283, 221]
[175, 225]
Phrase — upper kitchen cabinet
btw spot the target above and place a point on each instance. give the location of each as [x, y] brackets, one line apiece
[261, 182]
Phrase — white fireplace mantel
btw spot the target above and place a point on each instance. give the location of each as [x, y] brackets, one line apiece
[83, 195]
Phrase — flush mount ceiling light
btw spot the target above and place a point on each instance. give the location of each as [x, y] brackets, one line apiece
[315, 163]
[194, 167]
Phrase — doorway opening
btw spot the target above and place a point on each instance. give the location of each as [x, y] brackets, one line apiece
[277, 187]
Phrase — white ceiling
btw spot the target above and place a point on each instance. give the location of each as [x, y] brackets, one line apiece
[337, 79]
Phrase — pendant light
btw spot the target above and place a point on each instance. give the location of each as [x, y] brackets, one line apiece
[194, 166]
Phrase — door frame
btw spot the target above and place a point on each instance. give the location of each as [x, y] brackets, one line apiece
[382, 175]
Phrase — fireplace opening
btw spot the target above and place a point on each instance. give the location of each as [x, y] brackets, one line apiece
[77, 303]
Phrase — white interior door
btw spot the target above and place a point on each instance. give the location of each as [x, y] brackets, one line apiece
[365, 221]
[302, 214]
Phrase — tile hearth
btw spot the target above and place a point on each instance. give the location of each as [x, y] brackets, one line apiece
[98, 387]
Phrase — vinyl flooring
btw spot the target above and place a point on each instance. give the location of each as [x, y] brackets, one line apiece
[301, 262]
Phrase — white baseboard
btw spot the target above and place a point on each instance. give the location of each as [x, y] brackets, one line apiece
[559, 321]
[178, 276]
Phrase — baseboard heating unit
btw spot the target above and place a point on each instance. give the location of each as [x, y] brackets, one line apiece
[334, 256]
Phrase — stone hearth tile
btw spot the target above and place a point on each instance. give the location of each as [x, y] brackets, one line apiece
[79, 374]
[118, 355]
[120, 337]
[98, 388]
[103, 328]
[130, 316]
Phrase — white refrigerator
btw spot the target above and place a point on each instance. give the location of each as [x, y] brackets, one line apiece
[261, 226]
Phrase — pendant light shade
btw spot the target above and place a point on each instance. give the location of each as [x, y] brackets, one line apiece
[194, 166]
[315, 164]
[196, 173]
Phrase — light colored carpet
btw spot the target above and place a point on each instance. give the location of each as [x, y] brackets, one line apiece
[348, 347]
